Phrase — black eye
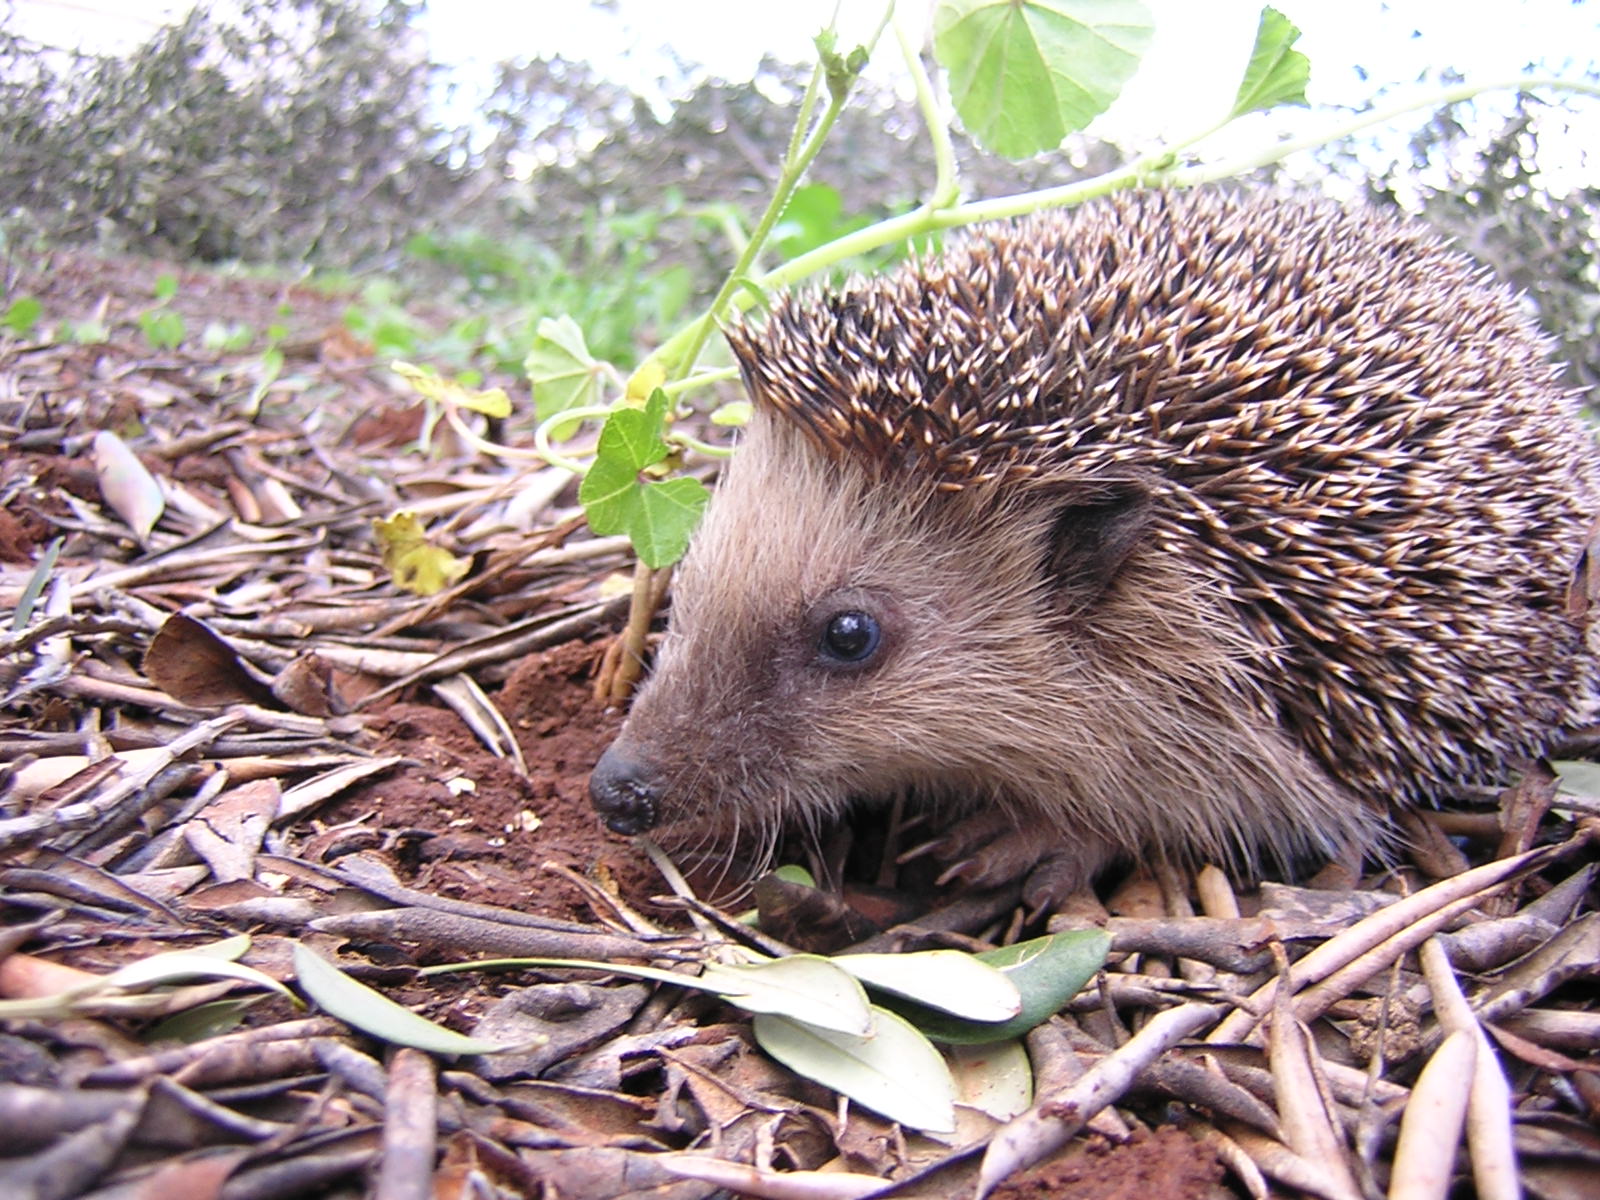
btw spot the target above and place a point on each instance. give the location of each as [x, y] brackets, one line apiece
[851, 637]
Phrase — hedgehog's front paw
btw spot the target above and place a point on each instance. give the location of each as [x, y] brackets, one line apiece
[990, 849]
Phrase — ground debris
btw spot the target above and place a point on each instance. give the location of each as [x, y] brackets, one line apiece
[233, 722]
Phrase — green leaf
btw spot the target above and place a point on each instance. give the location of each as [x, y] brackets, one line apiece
[88, 332]
[226, 336]
[803, 987]
[664, 519]
[806, 987]
[166, 287]
[34, 588]
[949, 980]
[896, 1072]
[1026, 73]
[1047, 972]
[371, 1012]
[1277, 73]
[658, 516]
[632, 437]
[202, 1021]
[22, 314]
[163, 328]
[789, 872]
[562, 371]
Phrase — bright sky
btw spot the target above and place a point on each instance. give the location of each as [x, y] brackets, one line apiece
[1199, 48]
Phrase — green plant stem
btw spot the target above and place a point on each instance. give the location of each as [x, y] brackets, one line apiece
[1152, 167]
[541, 435]
[679, 438]
[946, 184]
[808, 105]
[681, 359]
[680, 352]
[678, 386]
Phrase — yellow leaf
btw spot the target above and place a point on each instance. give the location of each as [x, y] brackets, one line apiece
[416, 564]
[430, 385]
[650, 375]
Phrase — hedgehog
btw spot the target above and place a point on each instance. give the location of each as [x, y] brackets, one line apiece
[1182, 526]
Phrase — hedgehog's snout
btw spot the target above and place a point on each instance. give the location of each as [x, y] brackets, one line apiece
[624, 792]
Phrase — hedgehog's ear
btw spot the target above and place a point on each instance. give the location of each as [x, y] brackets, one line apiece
[1096, 526]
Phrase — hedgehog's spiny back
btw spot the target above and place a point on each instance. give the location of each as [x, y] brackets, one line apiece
[1134, 323]
[1354, 432]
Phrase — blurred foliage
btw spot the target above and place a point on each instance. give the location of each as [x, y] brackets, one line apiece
[292, 130]
[303, 133]
[1486, 190]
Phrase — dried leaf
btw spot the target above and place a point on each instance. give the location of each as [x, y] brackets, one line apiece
[995, 1077]
[191, 663]
[128, 488]
[417, 565]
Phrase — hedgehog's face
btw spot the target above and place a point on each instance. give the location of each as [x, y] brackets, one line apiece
[832, 639]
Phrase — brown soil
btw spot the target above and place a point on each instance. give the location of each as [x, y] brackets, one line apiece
[490, 843]
[1151, 1166]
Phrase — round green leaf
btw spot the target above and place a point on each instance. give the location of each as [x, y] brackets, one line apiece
[1277, 73]
[1025, 73]
[562, 371]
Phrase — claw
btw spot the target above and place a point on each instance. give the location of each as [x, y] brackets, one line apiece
[920, 850]
[956, 871]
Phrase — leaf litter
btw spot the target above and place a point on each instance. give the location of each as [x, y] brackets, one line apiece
[222, 717]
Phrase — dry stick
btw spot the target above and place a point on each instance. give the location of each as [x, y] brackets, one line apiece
[1048, 1125]
[1282, 1163]
[649, 590]
[1430, 1130]
[410, 1128]
[1231, 1155]
[175, 568]
[1386, 925]
[1315, 1001]
[521, 638]
[1306, 1110]
[197, 1059]
[1489, 1136]
[129, 783]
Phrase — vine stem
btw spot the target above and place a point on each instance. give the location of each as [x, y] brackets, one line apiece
[680, 354]
[946, 183]
[1153, 167]
[649, 590]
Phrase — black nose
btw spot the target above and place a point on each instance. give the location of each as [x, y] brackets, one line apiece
[623, 793]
